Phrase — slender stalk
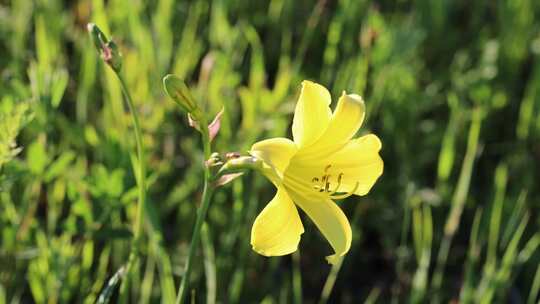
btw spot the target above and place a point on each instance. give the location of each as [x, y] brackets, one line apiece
[156, 238]
[141, 180]
[201, 215]
[458, 202]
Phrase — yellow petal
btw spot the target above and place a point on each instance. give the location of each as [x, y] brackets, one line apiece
[330, 220]
[312, 113]
[360, 162]
[344, 123]
[357, 162]
[276, 154]
[277, 229]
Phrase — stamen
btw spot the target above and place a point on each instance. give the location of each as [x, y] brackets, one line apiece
[340, 176]
[323, 185]
[324, 182]
[327, 185]
[342, 196]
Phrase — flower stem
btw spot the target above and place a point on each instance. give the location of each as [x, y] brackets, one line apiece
[201, 214]
[141, 161]
[141, 180]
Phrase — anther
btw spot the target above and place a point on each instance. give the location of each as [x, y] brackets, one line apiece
[323, 184]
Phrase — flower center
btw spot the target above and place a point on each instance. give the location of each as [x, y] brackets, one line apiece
[324, 184]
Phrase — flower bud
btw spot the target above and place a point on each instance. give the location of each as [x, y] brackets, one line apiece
[111, 55]
[107, 48]
[177, 89]
[214, 160]
[98, 38]
[241, 163]
[235, 167]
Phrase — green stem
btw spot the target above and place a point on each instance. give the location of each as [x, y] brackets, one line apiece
[141, 161]
[141, 180]
[201, 215]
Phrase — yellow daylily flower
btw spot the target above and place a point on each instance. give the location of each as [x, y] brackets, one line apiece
[323, 163]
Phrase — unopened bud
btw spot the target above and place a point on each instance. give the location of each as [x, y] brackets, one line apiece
[214, 160]
[241, 163]
[235, 167]
[112, 56]
[177, 89]
[231, 155]
[98, 38]
[107, 48]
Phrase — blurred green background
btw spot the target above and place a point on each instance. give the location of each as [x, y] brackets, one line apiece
[452, 88]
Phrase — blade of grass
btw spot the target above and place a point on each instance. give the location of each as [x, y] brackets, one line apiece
[402, 251]
[148, 281]
[501, 177]
[473, 255]
[334, 271]
[514, 219]
[330, 282]
[105, 295]
[237, 278]
[311, 24]
[494, 284]
[535, 287]
[420, 278]
[458, 202]
[296, 278]
[209, 264]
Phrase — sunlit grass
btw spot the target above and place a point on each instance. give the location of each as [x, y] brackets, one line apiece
[452, 89]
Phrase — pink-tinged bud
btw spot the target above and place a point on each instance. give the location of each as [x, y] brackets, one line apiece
[107, 48]
[193, 123]
[215, 125]
[227, 178]
[231, 155]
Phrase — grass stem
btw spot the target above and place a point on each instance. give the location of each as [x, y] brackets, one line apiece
[458, 201]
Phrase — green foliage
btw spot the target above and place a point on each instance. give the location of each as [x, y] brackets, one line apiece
[13, 116]
[452, 88]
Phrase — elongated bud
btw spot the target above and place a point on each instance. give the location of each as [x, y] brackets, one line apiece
[107, 48]
[177, 89]
[235, 167]
[98, 38]
[240, 164]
